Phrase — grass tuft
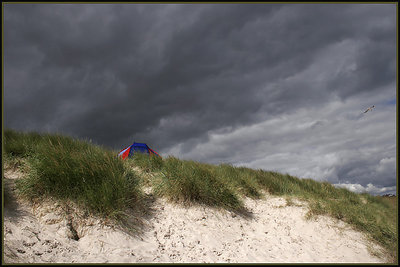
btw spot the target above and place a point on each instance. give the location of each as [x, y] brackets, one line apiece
[147, 163]
[240, 179]
[191, 182]
[70, 169]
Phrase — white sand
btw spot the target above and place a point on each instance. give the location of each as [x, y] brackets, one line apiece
[274, 233]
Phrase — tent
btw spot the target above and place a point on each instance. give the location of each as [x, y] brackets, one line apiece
[136, 147]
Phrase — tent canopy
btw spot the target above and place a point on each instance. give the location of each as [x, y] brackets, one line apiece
[136, 148]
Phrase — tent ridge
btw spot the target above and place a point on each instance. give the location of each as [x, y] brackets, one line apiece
[137, 148]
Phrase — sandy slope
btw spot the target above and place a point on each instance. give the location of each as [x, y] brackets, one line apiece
[273, 232]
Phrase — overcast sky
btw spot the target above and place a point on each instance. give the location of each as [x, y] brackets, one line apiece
[280, 87]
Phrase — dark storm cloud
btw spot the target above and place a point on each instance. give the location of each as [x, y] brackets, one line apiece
[173, 75]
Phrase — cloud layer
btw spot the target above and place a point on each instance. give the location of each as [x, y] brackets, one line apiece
[273, 86]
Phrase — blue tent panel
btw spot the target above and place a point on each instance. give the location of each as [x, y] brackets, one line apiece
[140, 148]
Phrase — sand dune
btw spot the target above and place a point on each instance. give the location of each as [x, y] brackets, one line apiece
[272, 232]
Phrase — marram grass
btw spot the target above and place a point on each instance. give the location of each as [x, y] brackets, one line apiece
[69, 169]
[192, 182]
[92, 176]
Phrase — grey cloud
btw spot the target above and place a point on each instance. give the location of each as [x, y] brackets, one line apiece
[370, 188]
[175, 75]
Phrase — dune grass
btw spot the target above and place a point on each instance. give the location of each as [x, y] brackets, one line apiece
[146, 163]
[68, 169]
[94, 177]
[191, 182]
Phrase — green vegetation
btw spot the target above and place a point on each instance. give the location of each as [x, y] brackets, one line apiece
[189, 181]
[147, 164]
[70, 169]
